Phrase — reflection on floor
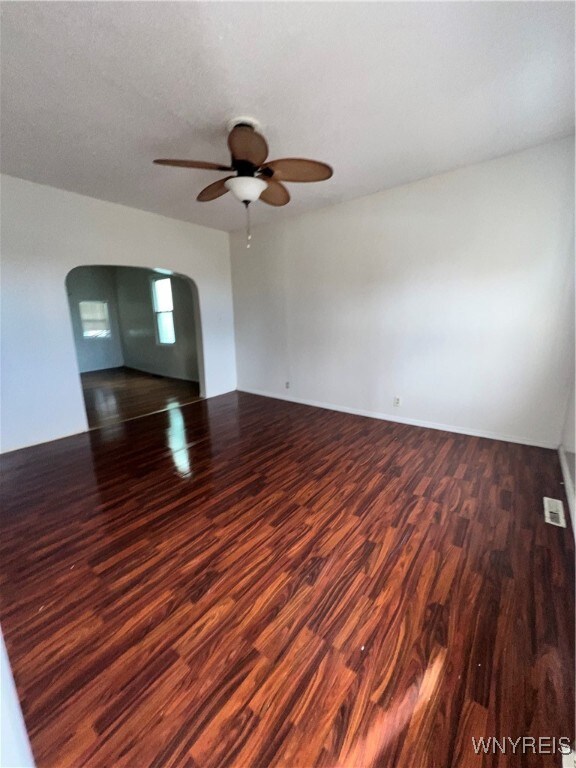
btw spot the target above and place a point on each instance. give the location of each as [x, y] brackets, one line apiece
[117, 394]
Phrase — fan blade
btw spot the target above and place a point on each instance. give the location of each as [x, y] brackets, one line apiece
[275, 193]
[245, 144]
[212, 191]
[298, 169]
[194, 164]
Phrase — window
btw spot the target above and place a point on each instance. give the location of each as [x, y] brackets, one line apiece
[164, 310]
[95, 319]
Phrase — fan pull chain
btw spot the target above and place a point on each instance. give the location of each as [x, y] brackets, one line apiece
[248, 232]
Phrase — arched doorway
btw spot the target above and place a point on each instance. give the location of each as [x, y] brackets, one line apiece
[138, 339]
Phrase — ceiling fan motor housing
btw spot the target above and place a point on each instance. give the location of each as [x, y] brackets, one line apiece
[244, 167]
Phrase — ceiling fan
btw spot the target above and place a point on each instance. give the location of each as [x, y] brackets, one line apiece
[256, 178]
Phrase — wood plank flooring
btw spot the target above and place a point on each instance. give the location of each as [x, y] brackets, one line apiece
[244, 582]
[117, 394]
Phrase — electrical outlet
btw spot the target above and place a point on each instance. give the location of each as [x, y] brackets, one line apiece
[396, 402]
[287, 385]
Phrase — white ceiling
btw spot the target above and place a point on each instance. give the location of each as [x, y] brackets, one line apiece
[387, 93]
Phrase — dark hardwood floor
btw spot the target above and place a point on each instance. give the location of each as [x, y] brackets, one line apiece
[118, 394]
[244, 582]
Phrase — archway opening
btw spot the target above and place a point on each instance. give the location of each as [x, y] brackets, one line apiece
[138, 340]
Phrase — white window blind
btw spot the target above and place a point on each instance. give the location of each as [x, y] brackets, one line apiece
[95, 319]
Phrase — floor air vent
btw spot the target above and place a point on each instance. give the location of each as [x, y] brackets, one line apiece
[554, 512]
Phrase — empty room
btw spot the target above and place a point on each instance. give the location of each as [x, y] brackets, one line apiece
[287, 471]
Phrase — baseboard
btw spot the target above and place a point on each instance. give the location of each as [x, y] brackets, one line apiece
[569, 486]
[400, 420]
[12, 449]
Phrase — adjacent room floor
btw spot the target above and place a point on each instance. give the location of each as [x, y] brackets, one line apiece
[116, 394]
[258, 583]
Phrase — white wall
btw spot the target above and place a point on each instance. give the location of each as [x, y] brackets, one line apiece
[95, 284]
[568, 441]
[568, 452]
[47, 232]
[453, 292]
[15, 749]
[141, 349]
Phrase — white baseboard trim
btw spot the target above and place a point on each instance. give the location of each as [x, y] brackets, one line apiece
[569, 486]
[5, 450]
[400, 420]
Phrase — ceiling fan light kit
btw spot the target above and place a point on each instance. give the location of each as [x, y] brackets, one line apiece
[255, 178]
[246, 189]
